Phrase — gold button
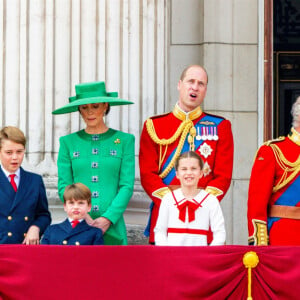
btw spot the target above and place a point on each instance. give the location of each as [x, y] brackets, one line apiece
[77, 243]
[26, 218]
[9, 218]
[65, 242]
[9, 233]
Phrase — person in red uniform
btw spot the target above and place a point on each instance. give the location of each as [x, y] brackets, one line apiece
[274, 190]
[187, 127]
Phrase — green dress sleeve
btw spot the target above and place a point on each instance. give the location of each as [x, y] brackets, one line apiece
[65, 173]
[126, 182]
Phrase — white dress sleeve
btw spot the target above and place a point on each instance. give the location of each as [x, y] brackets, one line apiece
[161, 228]
[217, 223]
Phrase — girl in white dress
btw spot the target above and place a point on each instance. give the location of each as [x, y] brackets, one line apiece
[186, 214]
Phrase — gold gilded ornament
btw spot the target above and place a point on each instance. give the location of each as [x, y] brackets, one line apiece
[250, 260]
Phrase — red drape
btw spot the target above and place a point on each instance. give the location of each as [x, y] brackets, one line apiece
[146, 272]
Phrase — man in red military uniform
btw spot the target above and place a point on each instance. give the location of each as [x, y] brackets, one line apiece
[274, 190]
[187, 127]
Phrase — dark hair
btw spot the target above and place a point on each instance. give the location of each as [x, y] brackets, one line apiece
[13, 134]
[77, 191]
[108, 109]
[189, 154]
[183, 74]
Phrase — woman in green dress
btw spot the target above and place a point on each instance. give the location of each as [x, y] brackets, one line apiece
[101, 158]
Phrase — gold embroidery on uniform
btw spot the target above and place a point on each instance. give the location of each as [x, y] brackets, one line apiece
[214, 191]
[207, 123]
[260, 235]
[181, 115]
[159, 193]
[286, 166]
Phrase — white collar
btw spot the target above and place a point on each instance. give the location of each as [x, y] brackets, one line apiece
[17, 173]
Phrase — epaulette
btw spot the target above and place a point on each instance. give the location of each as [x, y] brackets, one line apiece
[159, 116]
[279, 139]
[269, 142]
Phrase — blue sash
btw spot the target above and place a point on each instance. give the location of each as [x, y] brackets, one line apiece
[212, 122]
[290, 197]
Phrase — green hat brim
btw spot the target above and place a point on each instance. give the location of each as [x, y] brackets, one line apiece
[73, 106]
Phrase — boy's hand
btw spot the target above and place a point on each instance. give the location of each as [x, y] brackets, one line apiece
[32, 236]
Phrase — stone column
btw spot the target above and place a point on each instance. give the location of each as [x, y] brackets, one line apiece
[48, 46]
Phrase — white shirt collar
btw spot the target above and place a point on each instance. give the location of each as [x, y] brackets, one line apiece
[8, 173]
[70, 220]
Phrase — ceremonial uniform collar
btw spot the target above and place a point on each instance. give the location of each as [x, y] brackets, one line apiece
[182, 115]
[294, 135]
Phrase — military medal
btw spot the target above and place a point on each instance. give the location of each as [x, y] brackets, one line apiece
[204, 135]
[198, 137]
[215, 137]
[210, 133]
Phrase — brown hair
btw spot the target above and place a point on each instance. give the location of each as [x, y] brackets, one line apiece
[106, 112]
[77, 191]
[13, 134]
[189, 154]
[183, 74]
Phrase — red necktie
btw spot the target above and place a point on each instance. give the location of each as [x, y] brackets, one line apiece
[74, 223]
[12, 181]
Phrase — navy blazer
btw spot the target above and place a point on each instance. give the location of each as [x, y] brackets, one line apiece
[64, 234]
[19, 210]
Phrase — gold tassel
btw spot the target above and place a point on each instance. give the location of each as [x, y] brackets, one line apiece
[250, 261]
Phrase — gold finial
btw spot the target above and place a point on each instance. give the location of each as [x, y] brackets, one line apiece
[250, 260]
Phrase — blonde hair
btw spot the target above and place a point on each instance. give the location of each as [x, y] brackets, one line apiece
[77, 191]
[13, 134]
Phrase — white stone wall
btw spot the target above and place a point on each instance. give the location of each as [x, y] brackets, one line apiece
[139, 47]
[48, 46]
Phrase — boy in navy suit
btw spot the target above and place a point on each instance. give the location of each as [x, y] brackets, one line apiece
[24, 213]
[74, 230]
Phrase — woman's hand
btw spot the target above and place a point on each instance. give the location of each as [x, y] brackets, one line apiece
[32, 236]
[89, 220]
[101, 223]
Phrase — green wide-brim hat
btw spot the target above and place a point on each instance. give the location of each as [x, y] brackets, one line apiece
[91, 92]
